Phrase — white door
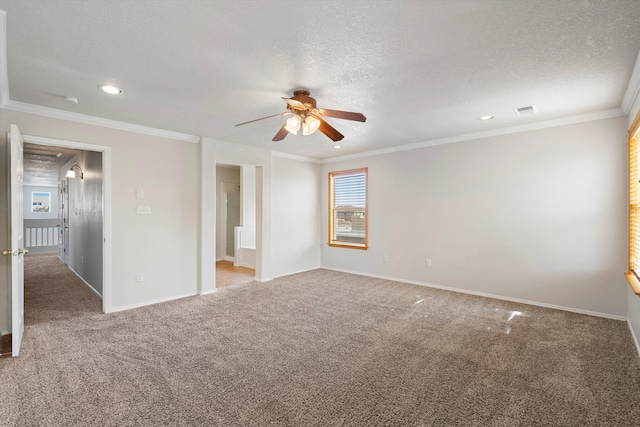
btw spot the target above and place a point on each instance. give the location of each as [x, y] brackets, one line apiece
[17, 251]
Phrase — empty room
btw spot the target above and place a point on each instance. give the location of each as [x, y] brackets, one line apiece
[297, 213]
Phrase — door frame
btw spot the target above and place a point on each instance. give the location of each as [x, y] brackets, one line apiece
[106, 206]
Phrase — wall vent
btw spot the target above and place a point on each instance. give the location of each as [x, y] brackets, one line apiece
[526, 111]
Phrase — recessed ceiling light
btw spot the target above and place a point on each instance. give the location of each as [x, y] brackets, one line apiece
[111, 90]
[485, 118]
[337, 146]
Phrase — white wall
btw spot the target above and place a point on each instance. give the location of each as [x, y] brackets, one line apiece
[248, 201]
[537, 216]
[295, 216]
[162, 245]
[633, 300]
[86, 215]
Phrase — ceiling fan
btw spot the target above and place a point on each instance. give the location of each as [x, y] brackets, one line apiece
[309, 118]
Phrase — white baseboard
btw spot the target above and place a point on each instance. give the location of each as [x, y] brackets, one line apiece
[245, 265]
[85, 282]
[303, 271]
[151, 302]
[634, 336]
[209, 292]
[486, 295]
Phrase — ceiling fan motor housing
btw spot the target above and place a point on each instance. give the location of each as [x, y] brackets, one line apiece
[303, 96]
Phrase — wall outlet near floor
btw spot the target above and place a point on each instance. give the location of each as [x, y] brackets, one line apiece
[139, 277]
[385, 257]
[427, 263]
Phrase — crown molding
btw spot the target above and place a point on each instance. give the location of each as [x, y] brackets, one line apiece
[606, 114]
[4, 75]
[633, 88]
[53, 113]
[295, 157]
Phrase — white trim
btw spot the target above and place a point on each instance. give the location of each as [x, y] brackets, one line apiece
[300, 271]
[4, 74]
[486, 295]
[633, 88]
[209, 292]
[54, 113]
[38, 185]
[85, 282]
[634, 336]
[606, 114]
[295, 157]
[106, 193]
[152, 302]
[244, 265]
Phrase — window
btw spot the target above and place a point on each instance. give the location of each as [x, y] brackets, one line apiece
[348, 208]
[633, 276]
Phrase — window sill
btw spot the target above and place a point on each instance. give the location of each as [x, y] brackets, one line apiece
[347, 245]
[633, 282]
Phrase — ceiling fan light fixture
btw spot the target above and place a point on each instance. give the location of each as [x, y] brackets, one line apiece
[310, 125]
[293, 124]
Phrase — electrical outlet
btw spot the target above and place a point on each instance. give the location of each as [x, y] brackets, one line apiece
[385, 257]
[427, 263]
[139, 277]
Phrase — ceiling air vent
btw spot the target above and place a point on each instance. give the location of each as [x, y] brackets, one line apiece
[526, 111]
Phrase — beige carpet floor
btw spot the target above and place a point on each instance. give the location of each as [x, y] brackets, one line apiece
[320, 348]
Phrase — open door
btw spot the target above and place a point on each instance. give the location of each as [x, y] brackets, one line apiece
[17, 251]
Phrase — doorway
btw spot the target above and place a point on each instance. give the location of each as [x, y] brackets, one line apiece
[86, 230]
[235, 242]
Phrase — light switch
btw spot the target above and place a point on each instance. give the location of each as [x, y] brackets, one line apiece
[143, 210]
[139, 194]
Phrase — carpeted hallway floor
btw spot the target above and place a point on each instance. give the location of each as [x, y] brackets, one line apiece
[320, 348]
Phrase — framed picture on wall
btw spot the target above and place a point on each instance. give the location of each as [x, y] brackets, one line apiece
[40, 202]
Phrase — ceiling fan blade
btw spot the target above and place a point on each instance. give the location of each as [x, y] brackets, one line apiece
[329, 130]
[294, 103]
[281, 133]
[346, 115]
[262, 118]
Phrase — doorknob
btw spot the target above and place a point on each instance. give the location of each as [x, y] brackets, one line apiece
[7, 252]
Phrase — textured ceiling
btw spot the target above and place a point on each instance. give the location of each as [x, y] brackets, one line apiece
[419, 70]
[42, 163]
